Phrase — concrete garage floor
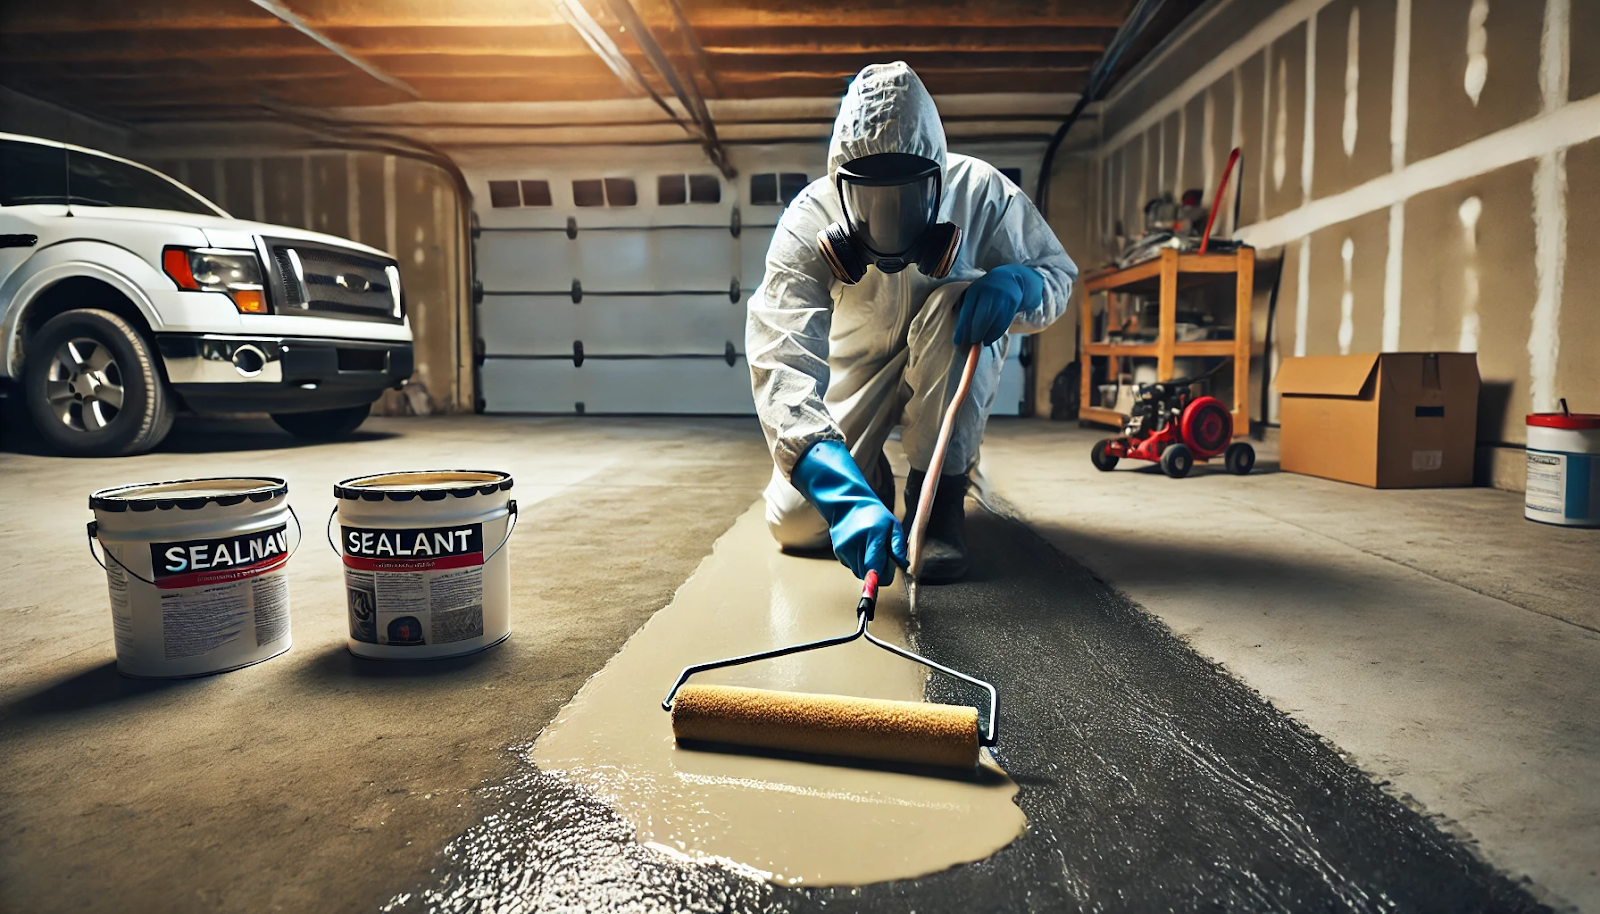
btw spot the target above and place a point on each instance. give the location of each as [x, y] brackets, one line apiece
[316, 781]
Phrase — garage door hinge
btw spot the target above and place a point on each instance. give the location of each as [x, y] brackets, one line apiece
[577, 292]
[480, 351]
[572, 227]
[730, 354]
[577, 353]
[733, 290]
[736, 223]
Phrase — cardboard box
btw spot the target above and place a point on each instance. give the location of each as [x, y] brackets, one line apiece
[1395, 420]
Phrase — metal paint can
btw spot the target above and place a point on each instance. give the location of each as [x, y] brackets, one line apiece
[1563, 469]
[426, 570]
[197, 572]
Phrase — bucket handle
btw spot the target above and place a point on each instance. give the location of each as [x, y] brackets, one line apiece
[511, 509]
[94, 534]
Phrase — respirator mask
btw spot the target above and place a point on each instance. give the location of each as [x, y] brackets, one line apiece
[890, 202]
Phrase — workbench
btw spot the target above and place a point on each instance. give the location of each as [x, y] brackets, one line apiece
[1166, 276]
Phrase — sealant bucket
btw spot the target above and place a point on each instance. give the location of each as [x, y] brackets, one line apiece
[197, 573]
[426, 570]
[1563, 468]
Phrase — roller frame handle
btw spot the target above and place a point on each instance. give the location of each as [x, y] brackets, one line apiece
[930, 479]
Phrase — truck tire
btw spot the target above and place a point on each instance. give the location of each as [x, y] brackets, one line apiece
[324, 424]
[93, 386]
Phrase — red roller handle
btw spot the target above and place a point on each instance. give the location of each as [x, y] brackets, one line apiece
[1217, 201]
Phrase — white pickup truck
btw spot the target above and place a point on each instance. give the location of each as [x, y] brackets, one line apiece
[126, 297]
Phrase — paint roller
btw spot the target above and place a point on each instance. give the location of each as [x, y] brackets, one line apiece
[910, 732]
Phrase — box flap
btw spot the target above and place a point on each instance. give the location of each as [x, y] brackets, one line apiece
[1326, 375]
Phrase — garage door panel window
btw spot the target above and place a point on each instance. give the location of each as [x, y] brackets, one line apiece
[675, 190]
[777, 189]
[536, 193]
[504, 194]
[605, 192]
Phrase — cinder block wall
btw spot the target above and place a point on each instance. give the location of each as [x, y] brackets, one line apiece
[1411, 163]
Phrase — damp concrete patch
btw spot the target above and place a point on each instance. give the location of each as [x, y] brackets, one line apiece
[783, 819]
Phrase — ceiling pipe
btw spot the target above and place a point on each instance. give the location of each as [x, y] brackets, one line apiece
[290, 18]
[686, 90]
[1098, 77]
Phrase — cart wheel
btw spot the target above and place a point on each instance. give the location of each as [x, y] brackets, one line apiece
[1176, 461]
[1240, 458]
[1103, 462]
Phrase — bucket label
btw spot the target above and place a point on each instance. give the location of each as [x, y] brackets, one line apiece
[215, 591]
[414, 586]
[1547, 483]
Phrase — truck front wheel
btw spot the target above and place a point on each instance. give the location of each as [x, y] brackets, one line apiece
[93, 388]
[324, 424]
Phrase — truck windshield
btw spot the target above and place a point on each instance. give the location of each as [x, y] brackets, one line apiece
[33, 173]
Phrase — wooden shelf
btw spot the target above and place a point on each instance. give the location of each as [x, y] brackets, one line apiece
[1167, 275]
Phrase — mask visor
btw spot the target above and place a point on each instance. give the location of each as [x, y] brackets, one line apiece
[890, 204]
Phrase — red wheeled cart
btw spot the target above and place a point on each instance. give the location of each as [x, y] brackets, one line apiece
[1169, 427]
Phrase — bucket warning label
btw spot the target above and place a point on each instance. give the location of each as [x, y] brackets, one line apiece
[414, 586]
[215, 591]
[1547, 483]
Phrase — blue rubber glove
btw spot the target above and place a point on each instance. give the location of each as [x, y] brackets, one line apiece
[991, 303]
[866, 537]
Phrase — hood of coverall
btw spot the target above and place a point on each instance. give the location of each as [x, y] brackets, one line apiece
[886, 109]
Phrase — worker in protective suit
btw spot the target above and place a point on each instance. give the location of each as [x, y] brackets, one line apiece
[879, 278]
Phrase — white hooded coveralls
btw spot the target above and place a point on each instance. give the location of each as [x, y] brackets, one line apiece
[831, 361]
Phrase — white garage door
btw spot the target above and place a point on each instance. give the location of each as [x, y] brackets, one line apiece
[623, 289]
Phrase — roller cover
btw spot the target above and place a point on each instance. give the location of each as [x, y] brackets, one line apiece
[870, 728]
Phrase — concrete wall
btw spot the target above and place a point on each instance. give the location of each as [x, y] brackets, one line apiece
[1411, 163]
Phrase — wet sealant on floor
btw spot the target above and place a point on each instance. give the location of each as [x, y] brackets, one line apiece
[1149, 777]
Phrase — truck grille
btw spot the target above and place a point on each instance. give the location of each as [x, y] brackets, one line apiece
[333, 283]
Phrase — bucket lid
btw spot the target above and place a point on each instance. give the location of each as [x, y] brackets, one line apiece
[1565, 420]
[429, 485]
[188, 494]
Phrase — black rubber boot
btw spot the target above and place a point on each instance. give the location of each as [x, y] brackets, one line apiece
[944, 551]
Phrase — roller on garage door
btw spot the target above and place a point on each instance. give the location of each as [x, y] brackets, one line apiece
[609, 290]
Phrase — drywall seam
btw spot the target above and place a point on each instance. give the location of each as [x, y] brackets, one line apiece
[1268, 30]
[1352, 83]
[1208, 155]
[390, 216]
[1266, 130]
[1544, 134]
[1477, 71]
[1393, 272]
[1399, 123]
[1280, 129]
[1302, 297]
[1183, 139]
[306, 193]
[1308, 140]
[1550, 211]
[1236, 141]
[258, 191]
[352, 198]
[1469, 212]
[1347, 298]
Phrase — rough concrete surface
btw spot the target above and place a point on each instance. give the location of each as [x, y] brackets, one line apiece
[317, 781]
[1448, 646]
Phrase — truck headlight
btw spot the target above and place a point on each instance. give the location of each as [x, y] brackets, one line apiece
[236, 274]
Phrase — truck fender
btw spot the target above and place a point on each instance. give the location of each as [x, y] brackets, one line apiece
[117, 267]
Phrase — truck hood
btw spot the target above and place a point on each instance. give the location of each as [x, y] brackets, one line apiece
[219, 230]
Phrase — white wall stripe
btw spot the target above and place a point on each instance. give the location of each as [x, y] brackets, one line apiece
[1280, 22]
[1302, 297]
[352, 198]
[1399, 123]
[1544, 134]
[1235, 141]
[390, 216]
[1208, 152]
[1550, 212]
[1308, 139]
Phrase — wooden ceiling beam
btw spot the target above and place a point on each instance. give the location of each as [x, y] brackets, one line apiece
[919, 61]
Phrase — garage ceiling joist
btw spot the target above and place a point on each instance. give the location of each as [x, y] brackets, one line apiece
[236, 59]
